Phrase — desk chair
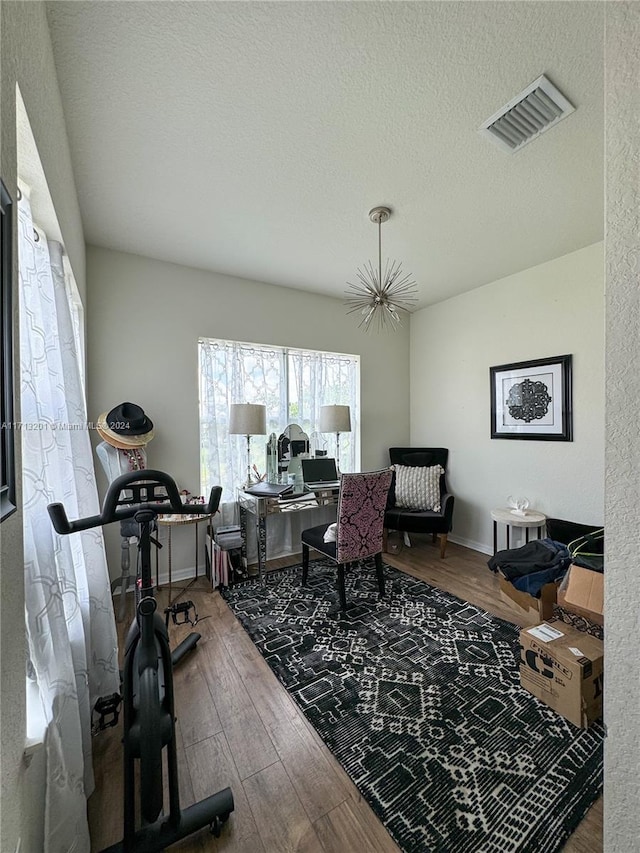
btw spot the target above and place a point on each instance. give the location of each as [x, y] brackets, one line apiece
[361, 505]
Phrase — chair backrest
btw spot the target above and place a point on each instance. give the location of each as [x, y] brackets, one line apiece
[419, 456]
[361, 506]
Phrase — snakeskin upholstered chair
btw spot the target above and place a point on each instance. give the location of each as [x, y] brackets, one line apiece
[359, 528]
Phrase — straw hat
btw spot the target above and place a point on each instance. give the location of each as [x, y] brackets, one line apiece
[125, 426]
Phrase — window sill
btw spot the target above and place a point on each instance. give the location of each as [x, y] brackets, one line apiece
[36, 722]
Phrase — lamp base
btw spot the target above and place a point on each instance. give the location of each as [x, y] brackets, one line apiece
[251, 480]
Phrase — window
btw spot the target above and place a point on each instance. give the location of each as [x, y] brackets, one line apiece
[7, 466]
[291, 383]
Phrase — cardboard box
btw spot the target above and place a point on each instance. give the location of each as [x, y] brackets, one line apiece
[582, 592]
[564, 668]
[535, 609]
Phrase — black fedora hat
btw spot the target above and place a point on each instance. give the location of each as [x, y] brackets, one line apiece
[125, 426]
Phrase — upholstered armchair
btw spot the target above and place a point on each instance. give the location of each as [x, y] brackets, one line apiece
[413, 491]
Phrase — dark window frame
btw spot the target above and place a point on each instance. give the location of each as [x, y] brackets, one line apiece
[7, 457]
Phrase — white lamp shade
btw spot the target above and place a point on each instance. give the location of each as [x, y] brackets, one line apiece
[247, 419]
[335, 419]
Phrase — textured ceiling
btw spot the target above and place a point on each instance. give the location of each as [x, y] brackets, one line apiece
[252, 138]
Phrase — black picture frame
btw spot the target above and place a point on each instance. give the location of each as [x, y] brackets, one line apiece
[532, 400]
[7, 459]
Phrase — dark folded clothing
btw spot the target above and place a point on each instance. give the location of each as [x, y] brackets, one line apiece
[534, 582]
[541, 555]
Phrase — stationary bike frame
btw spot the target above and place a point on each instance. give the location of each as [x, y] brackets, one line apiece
[149, 718]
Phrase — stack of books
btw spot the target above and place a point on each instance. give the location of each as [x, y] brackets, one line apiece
[291, 502]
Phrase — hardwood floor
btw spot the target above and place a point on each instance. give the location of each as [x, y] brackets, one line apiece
[238, 726]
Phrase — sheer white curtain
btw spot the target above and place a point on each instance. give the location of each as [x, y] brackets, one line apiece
[322, 379]
[69, 615]
[232, 372]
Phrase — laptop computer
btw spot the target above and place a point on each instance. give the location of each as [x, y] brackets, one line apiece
[320, 473]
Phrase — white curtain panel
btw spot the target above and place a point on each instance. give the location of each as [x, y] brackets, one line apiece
[325, 379]
[70, 624]
[232, 372]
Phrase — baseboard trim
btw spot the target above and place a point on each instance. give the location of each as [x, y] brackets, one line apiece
[470, 543]
[177, 576]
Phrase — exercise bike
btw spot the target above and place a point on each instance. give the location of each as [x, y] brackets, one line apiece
[147, 685]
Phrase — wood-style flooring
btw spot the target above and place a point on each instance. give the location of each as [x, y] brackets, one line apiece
[237, 726]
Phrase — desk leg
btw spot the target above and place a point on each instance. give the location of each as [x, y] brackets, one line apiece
[261, 531]
[209, 539]
[243, 547]
[540, 533]
[495, 538]
[507, 526]
[169, 561]
[196, 527]
[526, 535]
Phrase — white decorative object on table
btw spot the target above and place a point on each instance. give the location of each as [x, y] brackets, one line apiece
[272, 459]
[519, 506]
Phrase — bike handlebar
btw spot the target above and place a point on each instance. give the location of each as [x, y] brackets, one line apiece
[144, 487]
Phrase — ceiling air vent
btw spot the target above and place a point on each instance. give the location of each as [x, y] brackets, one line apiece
[527, 115]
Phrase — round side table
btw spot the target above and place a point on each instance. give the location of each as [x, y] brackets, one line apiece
[510, 519]
[171, 521]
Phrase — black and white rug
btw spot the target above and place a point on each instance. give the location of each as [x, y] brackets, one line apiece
[418, 696]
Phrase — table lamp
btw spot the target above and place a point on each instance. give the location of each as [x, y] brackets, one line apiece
[248, 419]
[335, 419]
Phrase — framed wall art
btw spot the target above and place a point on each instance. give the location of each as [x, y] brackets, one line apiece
[532, 400]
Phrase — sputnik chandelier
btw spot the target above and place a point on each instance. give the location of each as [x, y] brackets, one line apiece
[380, 298]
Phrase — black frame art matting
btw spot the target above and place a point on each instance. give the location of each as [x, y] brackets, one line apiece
[532, 399]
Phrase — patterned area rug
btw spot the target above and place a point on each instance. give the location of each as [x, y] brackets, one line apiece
[418, 696]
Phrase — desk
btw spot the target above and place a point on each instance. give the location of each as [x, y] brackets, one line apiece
[505, 516]
[264, 508]
[171, 521]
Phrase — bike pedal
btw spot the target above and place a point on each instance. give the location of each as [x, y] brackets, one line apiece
[180, 613]
[108, 710]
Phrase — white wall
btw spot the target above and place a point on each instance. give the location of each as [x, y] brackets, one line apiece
[143, 322]
[27, 59]
[622, 594]
[549, 310]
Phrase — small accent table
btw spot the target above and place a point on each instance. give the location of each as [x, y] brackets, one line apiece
[171, 521]
[505, 516]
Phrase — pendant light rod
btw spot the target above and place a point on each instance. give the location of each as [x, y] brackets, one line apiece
[379, 214]
[380, 255]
